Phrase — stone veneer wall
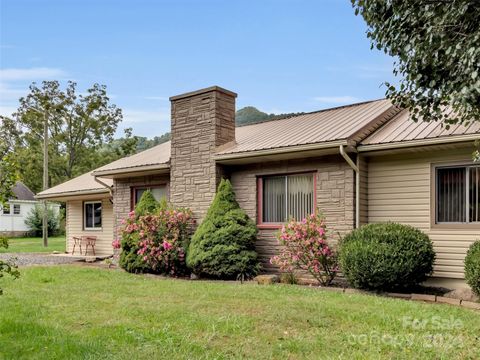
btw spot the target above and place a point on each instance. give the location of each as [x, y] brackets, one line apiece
[201, 121]
[334, 190]
[122, 194]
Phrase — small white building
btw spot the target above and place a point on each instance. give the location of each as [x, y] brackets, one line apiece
[14, 213]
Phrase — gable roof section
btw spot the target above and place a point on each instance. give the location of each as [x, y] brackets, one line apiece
[22, 192]
[401, 131]
[83, 184]
[155, 158]
[346, 123]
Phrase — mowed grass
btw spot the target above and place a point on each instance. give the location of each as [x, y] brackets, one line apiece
[34, 245]
[75, 312]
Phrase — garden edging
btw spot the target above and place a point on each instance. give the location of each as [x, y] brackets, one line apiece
[272, 279]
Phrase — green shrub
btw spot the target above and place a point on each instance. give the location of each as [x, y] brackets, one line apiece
[34, 221]
[146, 205]
[130, 260]
[223, 245]
[472, 267]
[386, 257]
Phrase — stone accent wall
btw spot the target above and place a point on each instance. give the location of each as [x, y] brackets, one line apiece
[201, 121]
[335, 191]
[122, 194]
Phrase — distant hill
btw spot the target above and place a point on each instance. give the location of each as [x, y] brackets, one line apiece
[250, 115]
[245, 116]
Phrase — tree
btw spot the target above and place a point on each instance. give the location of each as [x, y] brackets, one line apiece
[79, 126]
[8, 175]
[223, 246]
[437, 49]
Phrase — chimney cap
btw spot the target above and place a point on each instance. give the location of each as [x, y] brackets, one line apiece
[202, 91]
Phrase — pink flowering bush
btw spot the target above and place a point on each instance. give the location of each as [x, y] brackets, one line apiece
[157, 242]
[305, 247]
[116, 244]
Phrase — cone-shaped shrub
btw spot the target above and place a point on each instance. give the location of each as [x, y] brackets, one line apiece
[130, 260]
[146, 205]
[223, 245]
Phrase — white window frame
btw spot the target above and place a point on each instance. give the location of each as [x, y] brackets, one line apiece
[19, 209]
[93, 214]
[467, 197]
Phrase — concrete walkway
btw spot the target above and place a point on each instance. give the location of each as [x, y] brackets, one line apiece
[27, 259]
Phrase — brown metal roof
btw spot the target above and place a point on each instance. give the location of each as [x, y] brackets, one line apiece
[352, 122]
[402, 129]
[157, 155]
[81, 184]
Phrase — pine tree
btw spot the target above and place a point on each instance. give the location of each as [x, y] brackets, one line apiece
[224, 244]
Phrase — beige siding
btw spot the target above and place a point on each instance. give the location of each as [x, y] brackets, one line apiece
[400, 190]
[363, 165]
[75, 226]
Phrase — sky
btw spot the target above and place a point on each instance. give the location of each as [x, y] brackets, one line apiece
[277, 55]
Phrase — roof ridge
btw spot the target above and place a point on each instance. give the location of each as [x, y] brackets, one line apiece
[314, 112]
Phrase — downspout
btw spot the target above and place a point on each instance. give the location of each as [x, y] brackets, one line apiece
[356, 168]
[105, 185]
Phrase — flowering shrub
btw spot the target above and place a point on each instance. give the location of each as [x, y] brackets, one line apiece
[305, 247]
[116, 244]
[160, 239]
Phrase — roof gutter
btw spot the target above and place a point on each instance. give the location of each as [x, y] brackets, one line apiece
[283, 150]
[70, 193]
[356, 168]
[105, 185]
[420, 142]
[127, 170]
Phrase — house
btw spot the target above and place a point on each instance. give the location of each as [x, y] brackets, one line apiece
[362, 163]
[14, 213]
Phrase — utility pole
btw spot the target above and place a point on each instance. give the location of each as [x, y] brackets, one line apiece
[45, 178]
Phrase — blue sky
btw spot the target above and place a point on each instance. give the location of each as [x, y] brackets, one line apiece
[278, 55]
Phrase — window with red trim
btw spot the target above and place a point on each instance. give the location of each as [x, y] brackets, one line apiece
[158, 192]
[282, 197]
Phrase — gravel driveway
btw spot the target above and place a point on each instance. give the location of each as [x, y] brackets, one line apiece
[27, 259]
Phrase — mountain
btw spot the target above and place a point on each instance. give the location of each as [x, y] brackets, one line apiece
[250, 115]
[245, 116]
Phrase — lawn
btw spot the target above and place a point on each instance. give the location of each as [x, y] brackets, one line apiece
[34, 244]
[77, 312]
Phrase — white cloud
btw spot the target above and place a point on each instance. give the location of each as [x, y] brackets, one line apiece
[36, 73]
[337, 99]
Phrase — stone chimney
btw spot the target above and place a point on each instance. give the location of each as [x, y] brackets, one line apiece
[202, 120]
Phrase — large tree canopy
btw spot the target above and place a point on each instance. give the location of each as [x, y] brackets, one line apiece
[436, 44]
[81, 129]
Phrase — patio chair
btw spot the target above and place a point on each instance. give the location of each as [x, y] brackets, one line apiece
[89, 241]
[77, 241]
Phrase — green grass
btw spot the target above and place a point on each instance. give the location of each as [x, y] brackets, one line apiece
[34, 244]
[73, 312]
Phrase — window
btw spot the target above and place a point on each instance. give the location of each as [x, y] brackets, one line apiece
[16, 209]
[6, 209]
[458, 194]
[92, 215]
[158, 192]
[286, 196]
